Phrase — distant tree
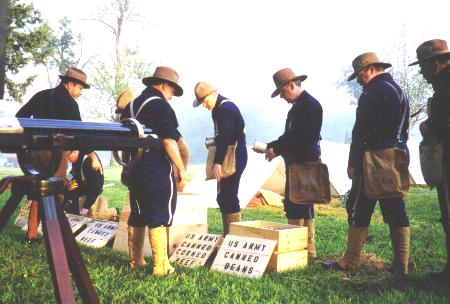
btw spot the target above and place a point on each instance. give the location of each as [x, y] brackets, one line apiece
[112, 78]
[416, 88]
[352, 88]
[28, 43]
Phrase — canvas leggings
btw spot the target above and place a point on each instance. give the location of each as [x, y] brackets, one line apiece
[360, 208]
[295, 211]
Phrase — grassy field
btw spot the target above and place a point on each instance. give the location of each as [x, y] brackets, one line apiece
[25, 278]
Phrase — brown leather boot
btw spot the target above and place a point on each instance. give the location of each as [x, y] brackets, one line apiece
[312, 253]
[158, 241]
[227, 219]
[400, 245]
[352, 257]
[33, 223]
[136, 238]
[309, 223]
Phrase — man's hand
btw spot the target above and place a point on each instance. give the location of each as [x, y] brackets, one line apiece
[217, 170]
[350, 172]
[84, 211]
[72, 185]
[270, 154]
[182, 176]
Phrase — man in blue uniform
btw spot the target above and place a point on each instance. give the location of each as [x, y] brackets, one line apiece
[85, 181]
[299, 143]
[381, 108]
[433, 57]
[57, 103]
[153, 189]
[228, 130]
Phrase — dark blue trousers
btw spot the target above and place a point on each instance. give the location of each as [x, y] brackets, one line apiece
[228, 188]
[360, 208]
[153, 192]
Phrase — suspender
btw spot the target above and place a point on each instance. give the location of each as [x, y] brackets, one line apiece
[142, 105]
[215, 125]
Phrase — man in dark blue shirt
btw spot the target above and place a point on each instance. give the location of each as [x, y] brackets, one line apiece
[85, 181]
[228, 130]
[299, 143]
[152, 184]
[56, 103]
[433, 58]
[381, 108]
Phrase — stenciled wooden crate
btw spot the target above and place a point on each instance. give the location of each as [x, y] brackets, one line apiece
[289, 237]
[188, 218]
[292, 242]
[289, 260]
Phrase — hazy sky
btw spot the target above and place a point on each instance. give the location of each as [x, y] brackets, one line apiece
[238, 44]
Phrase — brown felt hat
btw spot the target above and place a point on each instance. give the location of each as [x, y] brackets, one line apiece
[76, 75]
[431, 49]
[163, 73]
[363, 61]
[202, 90]
[284, 76]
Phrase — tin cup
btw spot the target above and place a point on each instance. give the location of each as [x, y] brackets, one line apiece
[209, 142]
[260, 147]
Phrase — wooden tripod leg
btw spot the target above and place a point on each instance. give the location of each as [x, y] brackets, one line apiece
[76, 263]
[10, 206]
[56, 253]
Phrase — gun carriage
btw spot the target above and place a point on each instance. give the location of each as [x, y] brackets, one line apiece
[23, 135]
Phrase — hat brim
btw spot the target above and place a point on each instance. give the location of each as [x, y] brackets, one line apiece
[381, 64]
[428, 58]
[84, 84]
[278, 90]
[198, 102]
[148, 81]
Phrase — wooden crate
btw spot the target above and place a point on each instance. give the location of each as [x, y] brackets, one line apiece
[289, 237]
[292, 242]
[188, 218]
[288, 260]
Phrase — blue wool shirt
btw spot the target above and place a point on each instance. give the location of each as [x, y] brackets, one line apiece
[156, 114]
[378, 117]
[300, 140]
[228, 126]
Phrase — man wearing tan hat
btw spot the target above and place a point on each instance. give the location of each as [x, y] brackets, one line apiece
[381, 109]
[228, 130]
[433, 58]
[298, 144]
[57, 103]
[151, 181]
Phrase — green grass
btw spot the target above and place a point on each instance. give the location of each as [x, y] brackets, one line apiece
[25, 277]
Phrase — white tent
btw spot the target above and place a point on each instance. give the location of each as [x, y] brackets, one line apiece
[256, 173]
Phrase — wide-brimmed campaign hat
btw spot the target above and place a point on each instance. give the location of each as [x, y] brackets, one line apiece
[163, 73]
[76, 75]
[284, 76]
[202, 90]
[431, 49]
[363, 61]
